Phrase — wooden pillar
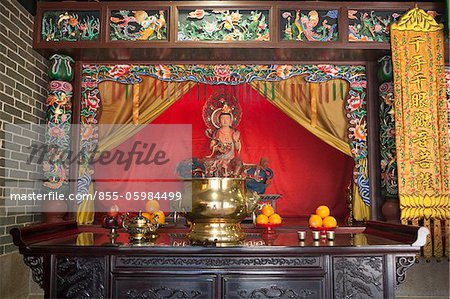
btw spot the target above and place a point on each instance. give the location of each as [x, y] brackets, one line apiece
[57, 137]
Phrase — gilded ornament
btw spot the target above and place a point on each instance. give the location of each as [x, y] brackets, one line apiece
[417, 20]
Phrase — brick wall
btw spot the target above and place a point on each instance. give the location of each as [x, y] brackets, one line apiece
[23, 89]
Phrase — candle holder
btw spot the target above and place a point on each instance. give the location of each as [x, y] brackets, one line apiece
[111, 223]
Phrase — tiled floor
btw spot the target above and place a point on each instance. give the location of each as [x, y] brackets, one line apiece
[426, 280]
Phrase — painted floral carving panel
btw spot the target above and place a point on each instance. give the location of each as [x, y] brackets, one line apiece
[223, 25]
[388, 161]
[309, 25]
[374, 26]
[70, 26]
[138, 25]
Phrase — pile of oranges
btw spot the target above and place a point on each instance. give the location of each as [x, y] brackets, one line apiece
[268, 216]
[152, 209]
[322, 218]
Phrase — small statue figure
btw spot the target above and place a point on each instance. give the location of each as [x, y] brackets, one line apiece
[225, 144]
[259, 177]
[222, 114]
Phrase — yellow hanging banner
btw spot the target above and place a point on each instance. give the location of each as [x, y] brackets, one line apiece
[421, 117]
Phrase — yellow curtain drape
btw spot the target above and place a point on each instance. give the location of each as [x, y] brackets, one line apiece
[85, 210]
[85, 239]
[324, 115]
[330, 124]
[119, 107]
[421, 125]
[127, 105]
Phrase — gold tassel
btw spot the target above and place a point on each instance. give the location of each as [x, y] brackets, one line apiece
[136, 103]
[293, 89]
[437, 242]
[169, 90]
[209, 91]
[301, 95]
[447, 238]
[198, 91]
[428, 248]
[313, 93]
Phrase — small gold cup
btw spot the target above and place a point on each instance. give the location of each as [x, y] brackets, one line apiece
[301, 235]
[316, 235]
[330, 235]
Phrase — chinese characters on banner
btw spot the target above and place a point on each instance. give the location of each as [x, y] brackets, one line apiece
[421, 125]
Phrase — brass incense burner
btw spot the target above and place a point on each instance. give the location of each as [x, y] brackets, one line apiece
[140, 228]
[218, 207]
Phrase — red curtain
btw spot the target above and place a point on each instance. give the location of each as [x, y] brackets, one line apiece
[307, 172]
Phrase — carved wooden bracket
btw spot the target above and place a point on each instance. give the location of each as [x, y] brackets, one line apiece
[402, 264]
[36, 264]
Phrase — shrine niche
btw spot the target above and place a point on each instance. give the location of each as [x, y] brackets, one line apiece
[231, 149]
[245, 82]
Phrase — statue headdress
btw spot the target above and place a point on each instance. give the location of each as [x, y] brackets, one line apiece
[225, 109]
[218, 104]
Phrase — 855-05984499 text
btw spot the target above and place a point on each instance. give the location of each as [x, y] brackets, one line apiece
[98, 195]
[138, 195]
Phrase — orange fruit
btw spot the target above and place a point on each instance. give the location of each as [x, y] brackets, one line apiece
[315, 221]
[152, 206]
[329, 221]
[147, 215]
[262, 219]
[275, 219]
[323, 211]
[161, 217]
[267, 210]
